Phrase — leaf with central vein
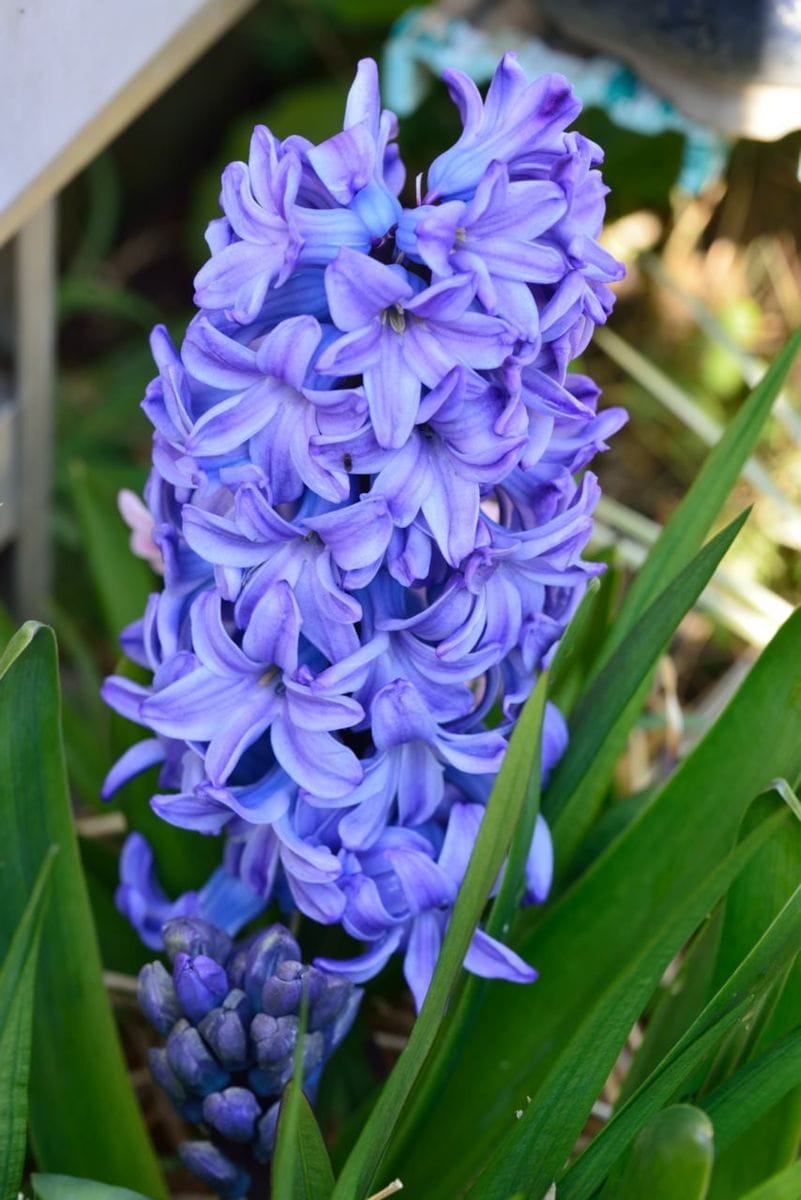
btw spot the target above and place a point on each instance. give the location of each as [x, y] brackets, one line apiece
[497, 829]
[623, 901]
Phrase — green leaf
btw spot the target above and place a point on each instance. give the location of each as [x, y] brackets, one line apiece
[66, 1187]
[735, 1105]
[752, 903]
[76, 1052]
[694, 517]
[735, 1000]
[123, 581]
[764, 887]
[517, 775]
[534, 1149]
[299, 1140]
[607, 710]
[17, 976]
[671, 1158]
[595, 933]
[283, 1175]
[786, 1185]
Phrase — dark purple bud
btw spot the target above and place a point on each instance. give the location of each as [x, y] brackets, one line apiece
[188, 1106]
[265, 1133]
[273, 1039]
[212, 1167]
[190, 935]
[283, 991]
[269, 948]
[197, 1070]
[157, 998]
[340, 1027]
[314, 1052]
[332, 995]
[200, 984]
[224, 1034]
[237, 1002]
[264, 1083]
[233, 1113]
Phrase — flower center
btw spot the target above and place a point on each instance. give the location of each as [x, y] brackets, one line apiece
[395, 317]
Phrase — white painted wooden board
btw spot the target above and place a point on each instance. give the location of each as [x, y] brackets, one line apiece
[74, 73]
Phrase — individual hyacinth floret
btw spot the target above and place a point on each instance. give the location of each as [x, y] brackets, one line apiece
[230, 1015]
[370, 499]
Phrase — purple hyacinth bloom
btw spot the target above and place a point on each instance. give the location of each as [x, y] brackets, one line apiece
[399, 337]
[227, 1066]
[371, 494]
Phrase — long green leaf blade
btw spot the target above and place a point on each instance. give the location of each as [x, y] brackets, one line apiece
[500, 820]
[76, 1051]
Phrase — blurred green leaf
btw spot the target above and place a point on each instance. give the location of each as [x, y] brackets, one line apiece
[66, 1187]
[694, 517]
[629, 899]
[81, 294]
[123, 581]
[671, 1158]
[786, 1185]
[17, 976]
[76, 1052]
[518, 777]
